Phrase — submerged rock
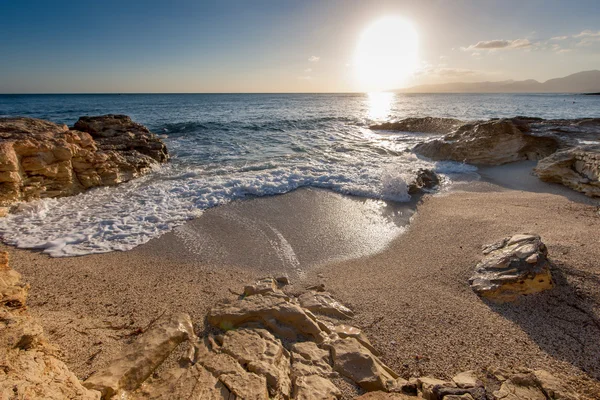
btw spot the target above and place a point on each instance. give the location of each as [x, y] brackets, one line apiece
[40, 159]
[493, 142]
[422, 125]
[577, 168]
[512, 267]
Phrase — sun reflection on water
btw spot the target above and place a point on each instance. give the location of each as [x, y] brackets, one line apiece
[380, 105]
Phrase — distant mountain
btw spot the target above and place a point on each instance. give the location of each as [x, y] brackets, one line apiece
[581, 82]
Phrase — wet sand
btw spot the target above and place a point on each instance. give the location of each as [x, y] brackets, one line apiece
[409, 290]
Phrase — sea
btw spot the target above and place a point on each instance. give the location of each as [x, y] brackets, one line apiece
[227, 147]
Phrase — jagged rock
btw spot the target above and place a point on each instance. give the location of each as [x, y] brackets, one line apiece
[40, 159]
[263, 286]
[313, 387]
[29, 367]
[324, 303]
[577, 168]
[281, 316]
[262, 354]
[514, 266]
[519, 387]
[428, 386]
[466, 379]
[142, 357]
[422, 125]
[488, 143]
[344, 331]
[309, 359]
[354, 361]
[425, 179]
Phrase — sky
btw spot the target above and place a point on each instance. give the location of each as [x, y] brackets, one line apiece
[232, 46]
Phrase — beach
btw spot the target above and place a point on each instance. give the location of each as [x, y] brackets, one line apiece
[408, 285]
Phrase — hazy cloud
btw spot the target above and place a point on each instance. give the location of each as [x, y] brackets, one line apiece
[499, 44]
[307, 70]
[305, 78]
[587, 33]
[559, 38]
[446, 72]
[314, 59]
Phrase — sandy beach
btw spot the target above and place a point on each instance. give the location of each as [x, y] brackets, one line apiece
[408, 287]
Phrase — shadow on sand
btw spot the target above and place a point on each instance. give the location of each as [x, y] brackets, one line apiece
[563, 321]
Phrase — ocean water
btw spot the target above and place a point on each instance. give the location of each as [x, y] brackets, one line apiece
[231, 146]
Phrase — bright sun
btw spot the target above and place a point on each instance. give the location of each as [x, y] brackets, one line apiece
[386, 54]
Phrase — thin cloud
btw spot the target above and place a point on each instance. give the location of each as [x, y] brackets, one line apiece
[559, 38]
[314, 59]
[446, 72]
[499, 44]
[307, 70]
[587, 33]
[305, 78]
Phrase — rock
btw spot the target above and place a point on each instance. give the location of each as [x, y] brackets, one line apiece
[40, 159]
[466, 379]
[520, 386]
[425, 179]
[553, 387]
[493, 142]
[385, 396]
[577, 168]
[29, 368]
[421, 125]
[263, 286]
[514, 266]
[354, 361]
[428, 386]
[324, 303]
[313, 387]
[142, 357]
[279, 315]
[262, 354]
[309, 359]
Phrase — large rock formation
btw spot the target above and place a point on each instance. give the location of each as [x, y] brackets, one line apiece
[488, 143]
[577, 168]
[512, 267]
[40, 159]
[29, 368]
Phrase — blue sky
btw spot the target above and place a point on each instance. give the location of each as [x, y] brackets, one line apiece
[266, 46]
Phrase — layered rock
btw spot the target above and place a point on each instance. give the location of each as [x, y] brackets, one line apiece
[514, 266]
[577, 168]
[40, 159]
[492, 142]
[30, 369]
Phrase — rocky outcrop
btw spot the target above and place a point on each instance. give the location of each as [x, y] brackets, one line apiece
[30, 369]
[514, 266]
[421, 125]
[425, 179]
[40, 159]
[241, 359]
[577, 168]
[493, 142]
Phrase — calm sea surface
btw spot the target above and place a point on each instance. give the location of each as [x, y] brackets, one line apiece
[230, 146]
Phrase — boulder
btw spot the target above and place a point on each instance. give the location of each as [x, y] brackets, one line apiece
[40, 159]
[314, 387]
[324, 303]
[424, 179]
[514, 266]
[142, 357]
[577, 168]
[493, 142]
[421, 125]
[280, 315]
[355, 362]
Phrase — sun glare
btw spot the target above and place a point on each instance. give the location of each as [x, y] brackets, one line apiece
[386, 54]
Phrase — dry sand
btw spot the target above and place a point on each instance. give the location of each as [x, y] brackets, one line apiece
[409, 290]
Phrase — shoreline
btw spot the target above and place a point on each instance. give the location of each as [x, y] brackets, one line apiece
[411, 295]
